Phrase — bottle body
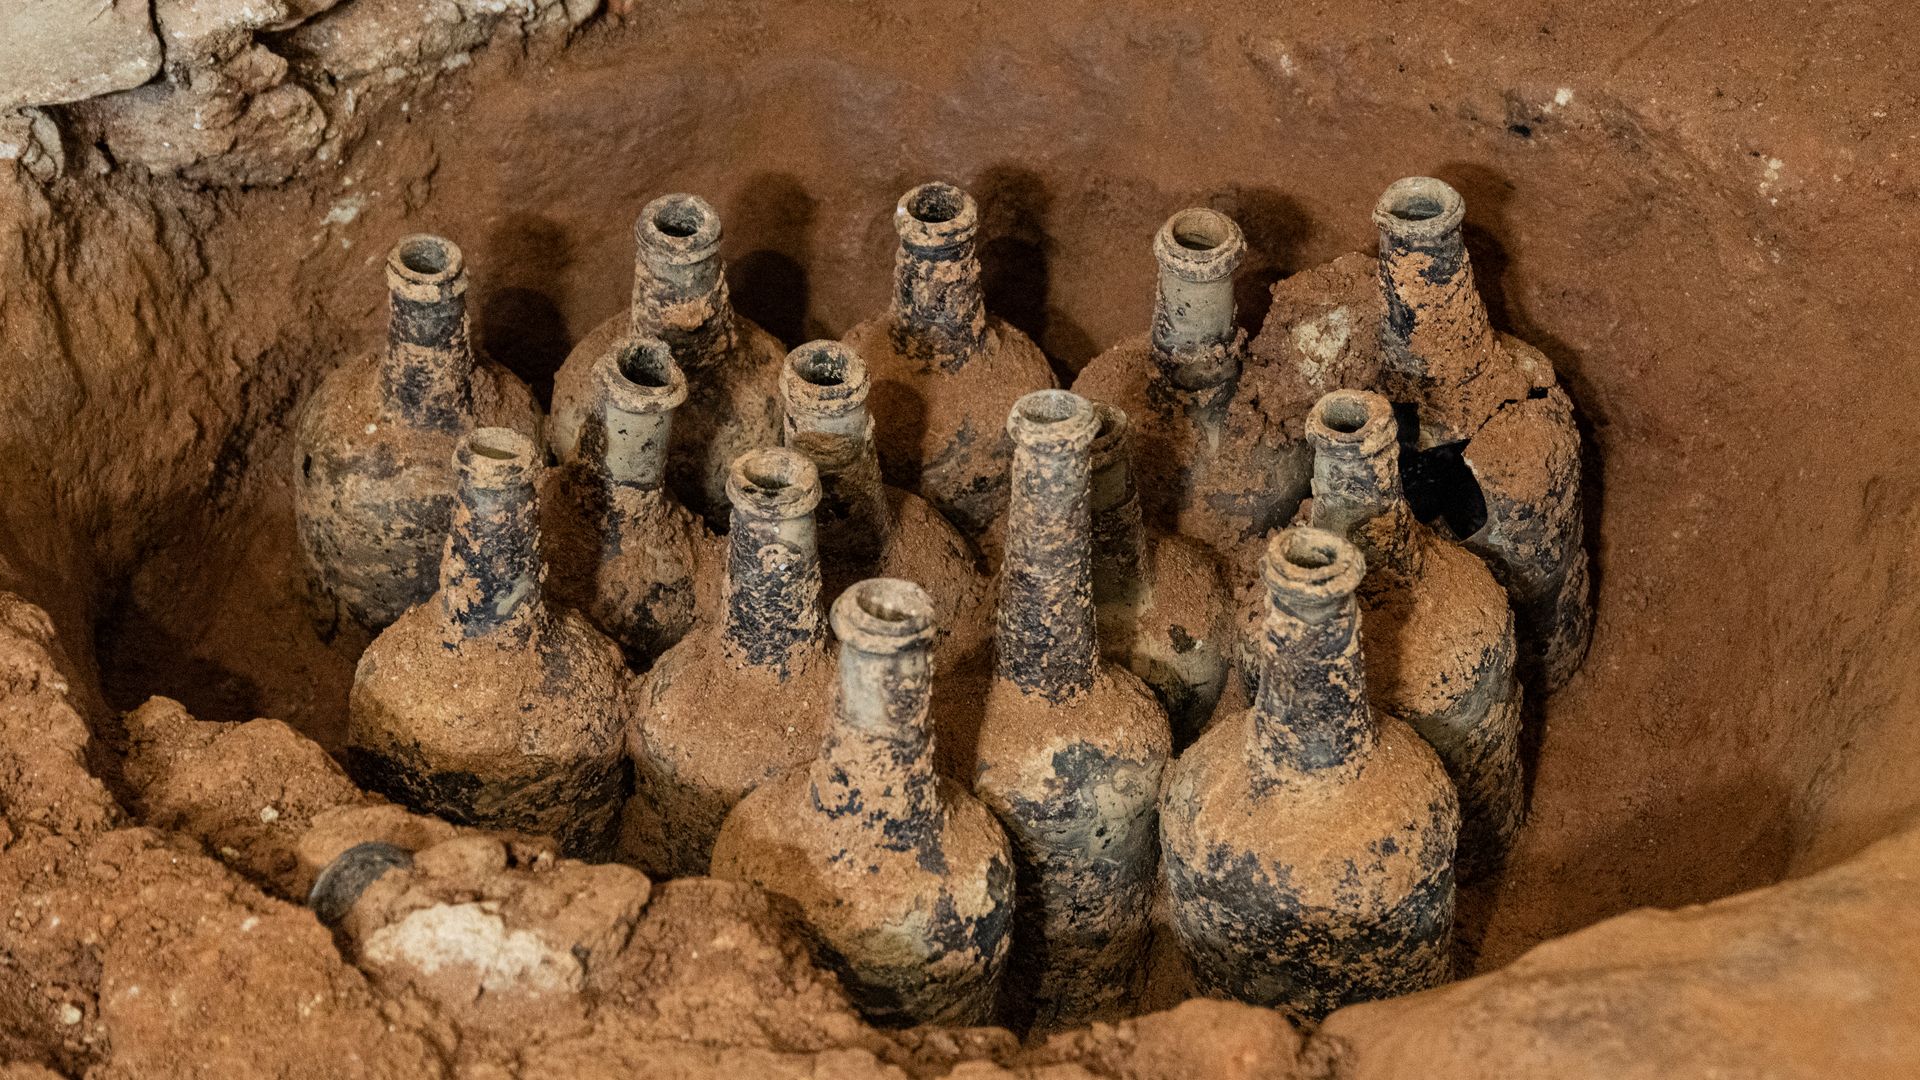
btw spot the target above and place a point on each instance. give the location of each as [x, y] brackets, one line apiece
[1070, 747]
[741, 698]
[732, 365]
[451, 710]
[1215, 460]
[372, 484]
[905, 879]
[944, 371]
[1308, 843]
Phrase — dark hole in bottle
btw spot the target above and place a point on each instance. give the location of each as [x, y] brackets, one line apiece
[1439, 485]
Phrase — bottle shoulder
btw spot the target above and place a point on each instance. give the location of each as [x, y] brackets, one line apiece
[1117, 719]
[700, 705]
[346, 417]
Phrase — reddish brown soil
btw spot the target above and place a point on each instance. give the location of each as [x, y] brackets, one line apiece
[1690, 208]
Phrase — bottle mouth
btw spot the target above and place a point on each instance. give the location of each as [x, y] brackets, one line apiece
[1053, 420]
[426, 267]
[883, 615]
[493, 458]
[639, 376]
[678, 229]
[1311, 567]
[1199, 244]
[935, 216]
[824, 375]
[1419, 209]
[773, 483]
[1358, 419]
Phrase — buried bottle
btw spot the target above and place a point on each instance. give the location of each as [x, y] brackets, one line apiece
[1163, 609]
[624, 551]
[1215, 461]
[944, 371]
[373, 487]
[741, 698]
[869, 528]
[1308, 843]
[1437, 631]
[904, 878]
[453, 710]
[1487, 426]
[732, 366]
[1070, 747]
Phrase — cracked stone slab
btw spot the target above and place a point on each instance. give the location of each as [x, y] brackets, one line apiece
[54, 51]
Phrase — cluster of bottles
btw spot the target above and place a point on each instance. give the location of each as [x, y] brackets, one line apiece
[1114, 738]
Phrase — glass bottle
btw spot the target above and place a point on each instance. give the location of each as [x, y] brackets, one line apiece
[904, 878]
[1162, 605]
[623, 550]
[1070, 747]
[732, 366]
[453, 709]
[1216, 460]
[373, 487]
[944, 371]
[1438, 632]
[1308, 843]
[1485, 417]
[742, 697]
[869, 528]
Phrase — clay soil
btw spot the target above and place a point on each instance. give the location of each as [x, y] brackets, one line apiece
[1702, 213]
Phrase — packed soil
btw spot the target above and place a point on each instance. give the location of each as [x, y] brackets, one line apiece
[1688, 208]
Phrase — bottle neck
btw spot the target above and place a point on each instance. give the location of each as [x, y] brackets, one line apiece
[1356, 494]
[773, 590]
[853, 497]
[1436, 331]
[686, 304]
[426, 373]
[1311, 714]
[490, 573]
[1119, 529]
[939, 308]
[1046, 642]
[876, 762]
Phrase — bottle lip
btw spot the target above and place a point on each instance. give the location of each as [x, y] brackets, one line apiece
[883, 615]
[1419, 209]
[639, 376]
[494, 458]
[826, 377]
[1053, 420]
[1311, 566]
[678, 229]
[773, 482]
[936, 216]
[1200, 245]
[1359, 421]
[424, 267]
[1111, 433]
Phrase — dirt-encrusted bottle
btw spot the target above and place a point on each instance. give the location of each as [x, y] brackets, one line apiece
[944, 371]
[622, 548]
[454, 708]
[1438, 632]
[1069, 747]
[742, 697]
[1216, 460]
[1308, 843]
[904, 878]
[372, 483]
[731, 364]
[869, 528]
[1493, 450]
[1162, 604]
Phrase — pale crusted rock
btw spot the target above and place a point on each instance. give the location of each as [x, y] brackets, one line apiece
[54, 51]
[394, 38]
[195, 32]
[32, 138]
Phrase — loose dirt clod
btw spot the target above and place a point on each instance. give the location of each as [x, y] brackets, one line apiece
[1069, 747]
[905, 879]
[743, 697]
[373, 487]
[488, 705]
[1308, 843]
[944, 371]
[621, 547]
[732, 366]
